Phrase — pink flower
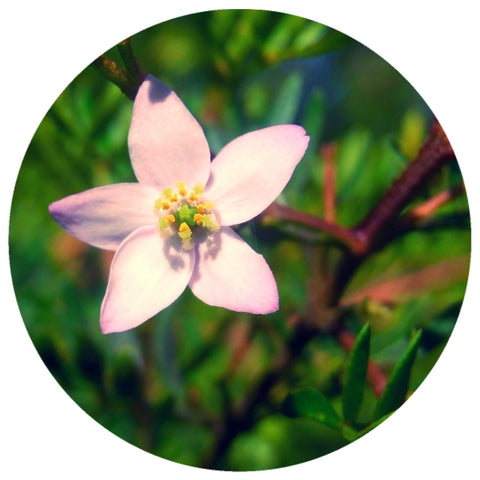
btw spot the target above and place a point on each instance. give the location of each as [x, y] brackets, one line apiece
[173, 227]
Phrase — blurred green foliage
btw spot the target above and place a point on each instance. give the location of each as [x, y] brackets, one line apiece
[165, 385]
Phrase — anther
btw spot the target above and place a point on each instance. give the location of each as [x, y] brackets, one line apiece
[167, 192]
[182, 189]
[198, 218]
[198, 188]
[184, 230]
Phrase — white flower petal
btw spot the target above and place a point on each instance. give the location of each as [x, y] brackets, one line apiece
[147, 274]
[230, 274]
[165, 141]
[251, 171]
[104, 216]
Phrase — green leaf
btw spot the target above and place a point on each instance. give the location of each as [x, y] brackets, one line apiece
[287, 102]
[356, 374]
[309, 403]
[397, 385]
[278, 40]
[330, 41]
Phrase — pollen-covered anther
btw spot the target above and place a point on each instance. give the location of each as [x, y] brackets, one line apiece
[198, 188]
[198, 218]
[185, 233]
[182, 189]
[184, 213]
[161, 204]
[210, 223]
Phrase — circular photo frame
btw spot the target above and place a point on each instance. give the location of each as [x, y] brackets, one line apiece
[248, 240]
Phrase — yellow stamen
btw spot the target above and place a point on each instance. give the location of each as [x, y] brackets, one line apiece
[182, 189]
[167, 192]
[161, 204]
[209, 223]
[198, 218]
[185, 214]
[209, 204]
[158, 204]
[184, 231]
[198, 188]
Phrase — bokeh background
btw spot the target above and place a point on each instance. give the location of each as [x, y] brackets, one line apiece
[165, 386]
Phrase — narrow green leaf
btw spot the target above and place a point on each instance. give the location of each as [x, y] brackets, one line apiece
[356, 374]
[309, 403]
[310, 34]
[287, 102]
[277, 40]
[397, 385]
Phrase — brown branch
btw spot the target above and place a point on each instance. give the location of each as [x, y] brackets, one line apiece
[276, 211]
[110, 70]
[128, 80]
[133, 69]
[329, 154]
[435, 153]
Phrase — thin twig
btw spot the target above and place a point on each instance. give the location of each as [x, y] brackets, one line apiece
[110, 70]
[435, 153]
[430, 206]
[128, 79]
[276, 211]
[329, 154]
[132, 67]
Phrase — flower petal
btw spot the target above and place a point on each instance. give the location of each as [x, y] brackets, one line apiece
[230, 274]
[165, 141]
[104, 216]
[250, 172]
[147, 274]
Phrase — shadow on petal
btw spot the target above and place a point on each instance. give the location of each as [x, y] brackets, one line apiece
[157, 91]
[174, 253]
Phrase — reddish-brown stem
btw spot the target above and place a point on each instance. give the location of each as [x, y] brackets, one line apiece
[133, 70]
[428, 207]
[128, 80]
[435, 153]
[329, 153]
[109, 69]
[283, 212]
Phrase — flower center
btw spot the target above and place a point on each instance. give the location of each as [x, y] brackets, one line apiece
[185, 214]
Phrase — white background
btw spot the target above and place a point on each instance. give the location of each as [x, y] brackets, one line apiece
[43, 433]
